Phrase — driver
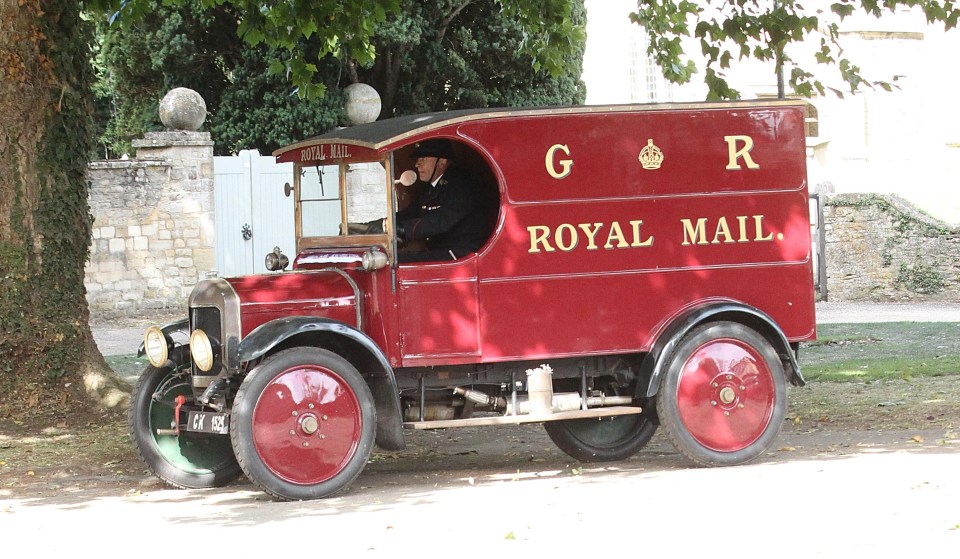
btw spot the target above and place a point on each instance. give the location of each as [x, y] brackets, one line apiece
[447, 215]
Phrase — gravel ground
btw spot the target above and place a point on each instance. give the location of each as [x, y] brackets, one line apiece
[828, 313]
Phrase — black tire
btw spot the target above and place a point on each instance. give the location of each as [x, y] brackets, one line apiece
[722, 398]
[303, 424]
[606, 439]
[188, 460]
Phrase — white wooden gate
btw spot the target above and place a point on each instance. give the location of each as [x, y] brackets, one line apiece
[253, 213]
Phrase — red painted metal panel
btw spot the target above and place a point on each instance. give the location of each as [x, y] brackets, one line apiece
[605, 152]
[267, 297]
[612, 250]
[439, 317]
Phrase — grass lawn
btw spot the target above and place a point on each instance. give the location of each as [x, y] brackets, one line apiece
[882, 351]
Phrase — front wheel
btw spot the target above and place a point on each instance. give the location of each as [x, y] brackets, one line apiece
[722, 398]
[187, 460]
[303, 424]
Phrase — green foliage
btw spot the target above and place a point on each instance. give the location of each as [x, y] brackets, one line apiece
[431, 55]
[167, 47]
[445, 56]
[307, 31]
[742, 29]
[258, 110]
[919, 278]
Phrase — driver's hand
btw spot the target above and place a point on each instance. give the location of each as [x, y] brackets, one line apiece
[368, 228]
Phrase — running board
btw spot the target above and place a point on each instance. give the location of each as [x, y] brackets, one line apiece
[527, 418]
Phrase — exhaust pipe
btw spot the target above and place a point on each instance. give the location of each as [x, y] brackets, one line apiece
[540, 398]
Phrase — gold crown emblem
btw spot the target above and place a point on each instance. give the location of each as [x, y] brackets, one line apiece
[650, 156]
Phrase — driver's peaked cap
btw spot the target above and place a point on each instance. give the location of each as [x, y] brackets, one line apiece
[434, 148]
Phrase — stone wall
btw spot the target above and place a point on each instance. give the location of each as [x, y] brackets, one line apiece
[153, 229]
[881, 248]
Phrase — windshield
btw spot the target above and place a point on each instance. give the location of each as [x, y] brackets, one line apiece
[342, 200]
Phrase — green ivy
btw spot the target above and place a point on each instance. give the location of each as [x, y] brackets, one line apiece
[42, 296]
[920, 278]
[916, 277]
[904, 224]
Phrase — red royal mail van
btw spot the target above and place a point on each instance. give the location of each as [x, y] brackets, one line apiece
[604, 271]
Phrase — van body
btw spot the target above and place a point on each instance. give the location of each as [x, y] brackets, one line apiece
[643, 266]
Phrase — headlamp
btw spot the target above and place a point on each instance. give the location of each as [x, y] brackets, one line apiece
[155, 346]
[201, 350]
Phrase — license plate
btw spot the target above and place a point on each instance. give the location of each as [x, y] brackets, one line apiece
[208, 422]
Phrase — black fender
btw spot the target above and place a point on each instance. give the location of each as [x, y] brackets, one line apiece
[654, 362]
[182, 326]
[354, 346]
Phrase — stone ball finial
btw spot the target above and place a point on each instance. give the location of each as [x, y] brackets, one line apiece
[362, 104]
[182, 109]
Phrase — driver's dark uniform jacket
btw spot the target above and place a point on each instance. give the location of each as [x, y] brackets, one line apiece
[450, 218]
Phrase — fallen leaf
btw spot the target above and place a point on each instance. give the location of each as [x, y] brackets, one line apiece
[787, 449]
[510, 536]
[797, 420]
[31, 473]
[916, 439]
[576, 471]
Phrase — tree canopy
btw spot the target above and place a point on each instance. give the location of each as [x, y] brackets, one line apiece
[432, 55]
[727, 32]
[309, 30]
[771, 30]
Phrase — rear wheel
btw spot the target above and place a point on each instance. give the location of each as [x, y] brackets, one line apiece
[303, 424]
[187, 460]
[605, 439]
[722, 398]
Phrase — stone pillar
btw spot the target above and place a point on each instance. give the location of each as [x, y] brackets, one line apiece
[187, 199]
[154, 225]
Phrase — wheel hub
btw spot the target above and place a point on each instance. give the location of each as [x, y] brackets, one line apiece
[729, 391]
[309, 424]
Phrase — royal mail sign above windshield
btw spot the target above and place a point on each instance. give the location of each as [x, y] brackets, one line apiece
[326, 154]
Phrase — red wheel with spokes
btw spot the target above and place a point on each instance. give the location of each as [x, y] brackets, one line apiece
[303, 424]
[722, 398]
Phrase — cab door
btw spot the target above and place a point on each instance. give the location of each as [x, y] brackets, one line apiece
[439, 314]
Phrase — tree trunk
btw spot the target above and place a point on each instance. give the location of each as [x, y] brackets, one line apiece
[47, 353]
